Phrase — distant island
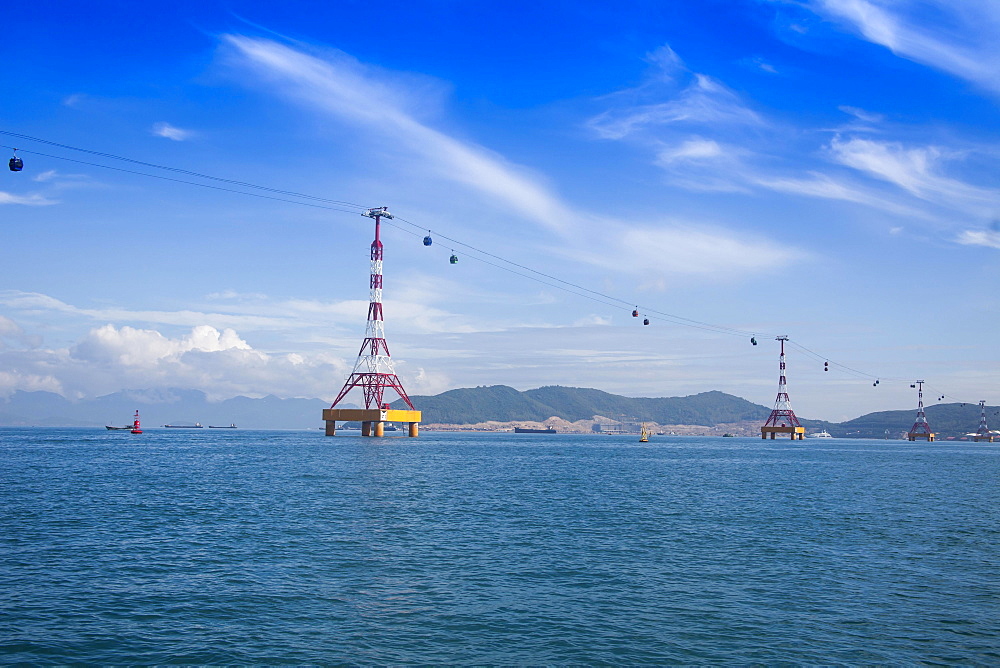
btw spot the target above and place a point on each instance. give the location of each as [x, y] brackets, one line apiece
[484, 408]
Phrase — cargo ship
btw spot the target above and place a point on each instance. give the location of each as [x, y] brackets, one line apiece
[526, 430]
[196, 425]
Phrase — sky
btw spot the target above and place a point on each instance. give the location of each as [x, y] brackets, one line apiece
[821, 169]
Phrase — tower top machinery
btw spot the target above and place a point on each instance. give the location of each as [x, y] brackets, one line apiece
[782, 419]
[373, 371]
[920, 429]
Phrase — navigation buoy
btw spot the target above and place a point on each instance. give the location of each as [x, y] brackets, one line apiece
[135, 423]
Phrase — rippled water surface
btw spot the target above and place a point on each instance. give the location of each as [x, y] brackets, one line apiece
[230, 547]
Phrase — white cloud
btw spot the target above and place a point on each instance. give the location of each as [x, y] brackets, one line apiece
[918, 170]
[861, 114]
[692, 149]
[957, 36]
[674, 249]
[704, 101]
[220, 363]
[344, 87]
[11, 381]
[339, 85]
[28, 200]
[143, 347]
[171, 132]
[988, 238]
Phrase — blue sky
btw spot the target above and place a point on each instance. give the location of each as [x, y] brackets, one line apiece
[823, 169]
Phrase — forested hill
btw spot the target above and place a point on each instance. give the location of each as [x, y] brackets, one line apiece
[505, 404]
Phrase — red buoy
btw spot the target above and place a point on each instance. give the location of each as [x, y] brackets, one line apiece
[135, 423]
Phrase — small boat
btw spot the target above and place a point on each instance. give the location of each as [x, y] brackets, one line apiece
[821, 434]
[728, 435]
[644, 435]
[526, 430]
[212, 426]
[134, 427]
[196, 425]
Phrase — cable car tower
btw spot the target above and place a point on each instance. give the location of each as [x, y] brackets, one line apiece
[984, 433]
[373, 371]
[782, 419]
[920, 428]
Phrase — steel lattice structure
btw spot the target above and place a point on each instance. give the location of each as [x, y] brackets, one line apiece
[983, 430]
[920, 427]
[373, 371]
[782, 415]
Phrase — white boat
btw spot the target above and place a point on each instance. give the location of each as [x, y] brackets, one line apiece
[821, 434]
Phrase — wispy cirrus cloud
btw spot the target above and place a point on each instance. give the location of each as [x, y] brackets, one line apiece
[33, 199]
[988, 238]
[919, 170]
[169, 131]
[341, 85]
[704, 101]
[961, 37]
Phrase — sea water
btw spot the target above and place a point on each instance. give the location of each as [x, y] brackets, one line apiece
[250, 547]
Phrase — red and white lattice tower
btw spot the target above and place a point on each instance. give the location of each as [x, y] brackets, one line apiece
[373, 371]
[984, 433]
[920, 428]
[782, 419]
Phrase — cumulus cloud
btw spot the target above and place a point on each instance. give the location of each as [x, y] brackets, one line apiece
[171, 132]
[218, 362]
[129, 346]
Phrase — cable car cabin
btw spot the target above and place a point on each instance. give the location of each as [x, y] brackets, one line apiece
[635, 313]
[645, 321]
[453, 259]
[753, 340]
[16, 164]
[427, 240]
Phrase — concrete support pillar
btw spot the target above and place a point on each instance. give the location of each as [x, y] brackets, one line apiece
[331, 427]
[413, 430]
[379, 429]
[366, 428]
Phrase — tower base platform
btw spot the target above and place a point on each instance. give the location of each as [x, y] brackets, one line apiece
[920, 436]
[796, 433]
[372, 419]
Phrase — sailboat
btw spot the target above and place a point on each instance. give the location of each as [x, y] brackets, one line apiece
[644, 435]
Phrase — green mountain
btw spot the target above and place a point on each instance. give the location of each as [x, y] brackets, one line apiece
[505, 404]
[946, 420]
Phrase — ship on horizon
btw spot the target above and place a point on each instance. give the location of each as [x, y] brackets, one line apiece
[196, 425]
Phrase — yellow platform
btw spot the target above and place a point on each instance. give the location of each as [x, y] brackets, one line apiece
[919, 436]
[796, 433]
[372, 419]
